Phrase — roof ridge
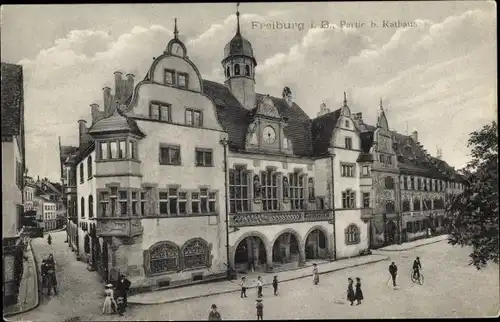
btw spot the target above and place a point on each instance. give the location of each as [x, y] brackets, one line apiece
[326, 114]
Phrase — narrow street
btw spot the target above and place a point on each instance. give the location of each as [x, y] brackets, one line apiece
[80, 292]
[451, 289]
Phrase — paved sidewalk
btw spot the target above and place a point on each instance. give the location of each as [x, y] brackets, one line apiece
[414, 244]
[28, 298]
[204, 290]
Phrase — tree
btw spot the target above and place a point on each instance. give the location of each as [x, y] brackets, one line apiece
[473, 214]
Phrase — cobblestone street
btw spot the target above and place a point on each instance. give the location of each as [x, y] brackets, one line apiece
[451, 289]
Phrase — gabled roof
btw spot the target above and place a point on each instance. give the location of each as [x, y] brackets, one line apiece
[116, 123]
[12, 99]
[235, 119]
[322, 131]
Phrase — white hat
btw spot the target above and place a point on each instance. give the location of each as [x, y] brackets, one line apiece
[109, 285]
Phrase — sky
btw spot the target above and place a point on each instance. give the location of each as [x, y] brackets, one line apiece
[435, 74]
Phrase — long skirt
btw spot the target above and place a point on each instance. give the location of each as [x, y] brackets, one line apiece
[350, 295]
[108, 306]
[359, 294]
[316, 278]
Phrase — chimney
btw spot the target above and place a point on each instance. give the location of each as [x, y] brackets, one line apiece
[118, 85]
[129, 86]
[108, 99]
[83, 136]
[94, 111]
[287, 95]
[414, 136]
[358, 117]
[323, 110]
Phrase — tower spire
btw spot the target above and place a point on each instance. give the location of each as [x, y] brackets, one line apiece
[237, 18]
[176, 32]
[381, 106]
[345, 99]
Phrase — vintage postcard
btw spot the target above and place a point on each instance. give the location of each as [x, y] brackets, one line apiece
[233, 161]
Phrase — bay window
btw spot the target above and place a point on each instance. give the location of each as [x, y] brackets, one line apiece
[122, 150]
[113, 150]
[134, 203]
[122, 200]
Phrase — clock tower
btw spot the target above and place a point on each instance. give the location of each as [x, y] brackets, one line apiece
[266, 130]
[239, 67]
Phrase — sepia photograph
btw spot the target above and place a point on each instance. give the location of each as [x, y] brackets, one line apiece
[249, 160]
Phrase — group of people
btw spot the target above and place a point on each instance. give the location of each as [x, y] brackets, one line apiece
[48, 271]
[354, 292]
[417, 267]
[116, 296]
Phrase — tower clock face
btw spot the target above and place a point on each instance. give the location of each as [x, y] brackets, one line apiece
[269, 135]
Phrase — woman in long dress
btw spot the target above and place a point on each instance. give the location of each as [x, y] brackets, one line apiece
[350, 291]
[359, 293]
[109, 302]
[315, 274]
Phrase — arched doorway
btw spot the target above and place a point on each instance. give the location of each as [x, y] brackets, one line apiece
[316, 246]
[391, 229]
[286, 249]
[250, 254]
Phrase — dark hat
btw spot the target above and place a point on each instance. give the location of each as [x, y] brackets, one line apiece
[259, 300]
[214, 306]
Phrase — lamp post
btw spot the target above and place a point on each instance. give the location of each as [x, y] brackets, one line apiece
[229, 270]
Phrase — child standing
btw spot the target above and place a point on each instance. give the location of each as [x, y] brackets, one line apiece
[243, 285]
[350, 291]
[259, 286]
[260, 309]
[359, 293]
[315, 274]
[275, 285]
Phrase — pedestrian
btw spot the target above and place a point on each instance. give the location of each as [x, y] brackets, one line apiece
[120, 305]
[275, 285]
[123, 285]
[109, 305]
[243, 285]
[49, 240]
[359, 292]
[350, 291]
[393, 270]
[260, 284]
[214, 315]
[315, 274]
[260, 309]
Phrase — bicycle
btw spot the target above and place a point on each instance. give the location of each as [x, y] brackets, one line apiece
[419, 280]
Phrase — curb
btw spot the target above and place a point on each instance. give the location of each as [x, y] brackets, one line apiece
[253, 287]
[37, 283]
[413, 247]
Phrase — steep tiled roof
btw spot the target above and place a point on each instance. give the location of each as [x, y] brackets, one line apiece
[12, 99]
[412, 159]
[116, 123]
[322, 130]
[234, 118]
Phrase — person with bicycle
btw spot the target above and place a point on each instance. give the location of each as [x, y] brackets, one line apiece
[417, 266]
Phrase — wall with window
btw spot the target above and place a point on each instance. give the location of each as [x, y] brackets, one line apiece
[84, 191]
[178, 66]
[345, 247]
[12, 193]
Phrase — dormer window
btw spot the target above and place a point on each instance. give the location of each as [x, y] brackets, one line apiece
[348, 143]
[182, 79]
[347, 123]
[247, 70]
[194, 117]
[236, 69]
[169, 77]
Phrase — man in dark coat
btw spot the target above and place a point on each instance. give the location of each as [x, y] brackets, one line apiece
[122, 286]
[214, 315]
[393, 270]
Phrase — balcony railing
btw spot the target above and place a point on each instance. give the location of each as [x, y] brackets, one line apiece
[278, 217]
[118, 227]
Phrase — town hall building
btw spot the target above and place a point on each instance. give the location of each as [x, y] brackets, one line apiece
[180, 179]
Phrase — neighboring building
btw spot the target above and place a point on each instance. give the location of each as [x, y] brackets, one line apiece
[179, 178]
[407, 188]
[13, 165]
[68, 180]
[30, 190]
[46, 211]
